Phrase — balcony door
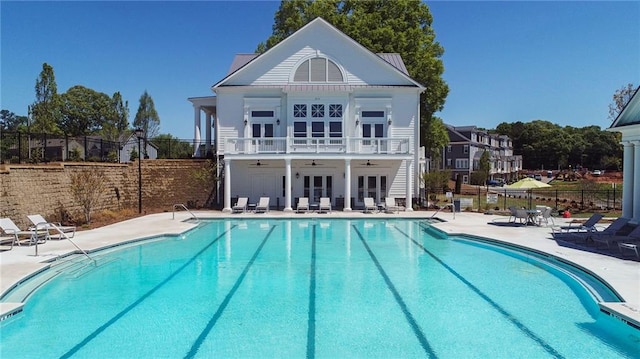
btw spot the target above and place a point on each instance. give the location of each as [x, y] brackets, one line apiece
[262, 130]
[373, 126]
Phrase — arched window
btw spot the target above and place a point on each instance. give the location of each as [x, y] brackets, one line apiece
[318, 69]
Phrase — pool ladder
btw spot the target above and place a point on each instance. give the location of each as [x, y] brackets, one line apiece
[180, 205]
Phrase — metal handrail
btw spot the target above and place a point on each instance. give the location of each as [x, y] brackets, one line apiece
[48, 226]
[185, 208]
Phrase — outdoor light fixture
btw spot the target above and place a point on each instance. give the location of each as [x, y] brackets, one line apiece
[278, 122]
[245, 122]
[313, 163]
[139, 134]
[297, 175]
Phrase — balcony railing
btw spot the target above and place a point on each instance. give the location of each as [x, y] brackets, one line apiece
[302, 145]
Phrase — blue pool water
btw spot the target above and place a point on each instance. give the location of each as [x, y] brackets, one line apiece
[313, 288]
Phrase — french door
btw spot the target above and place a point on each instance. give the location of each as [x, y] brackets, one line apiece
[316, 187]
[372, 186]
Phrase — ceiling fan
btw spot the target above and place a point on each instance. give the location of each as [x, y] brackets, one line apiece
[369, 164]
[258, 164]
[313, 164]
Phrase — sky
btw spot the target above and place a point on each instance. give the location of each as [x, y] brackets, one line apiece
[504, 61]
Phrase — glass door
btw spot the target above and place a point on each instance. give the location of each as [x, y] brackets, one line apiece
[316, 187]
[372, 186]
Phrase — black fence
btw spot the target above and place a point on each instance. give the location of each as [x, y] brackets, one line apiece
[17, 147]
[500, 199]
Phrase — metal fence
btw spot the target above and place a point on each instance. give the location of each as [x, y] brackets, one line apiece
[500, 199]
[18, 147]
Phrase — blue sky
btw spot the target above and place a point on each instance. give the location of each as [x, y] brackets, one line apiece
[504, 61]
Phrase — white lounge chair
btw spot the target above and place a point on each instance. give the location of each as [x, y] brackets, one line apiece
[391, 206]
[303, 205]
[263, 205]
[325, 205]
[241, 205]
[33, 236]
[40, 223]
[369, 205]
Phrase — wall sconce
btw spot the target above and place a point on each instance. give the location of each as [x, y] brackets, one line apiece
[245, 122]
[297, 175]
[357, 120]
[389, 119]
[278, 122]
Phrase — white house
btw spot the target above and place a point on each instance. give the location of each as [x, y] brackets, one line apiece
[628, 123]
[317, 115]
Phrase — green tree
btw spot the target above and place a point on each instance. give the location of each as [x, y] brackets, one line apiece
[11, 122]
[400, 26]
[118, 121]
[45, 111]
[171, 147]
[484, 167]
[620, 99]
[84, 111]
[147, 118]
[435, 139]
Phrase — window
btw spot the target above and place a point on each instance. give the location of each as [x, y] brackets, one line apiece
[299, 110]
[465, 179]
[262, 114]
[372, 113]
[335, 111]
[449, 148]
[318, 69]
[335, 129]
[317, 110]
[299, 129]
[317, 129]
[462, 163]
[448, 162]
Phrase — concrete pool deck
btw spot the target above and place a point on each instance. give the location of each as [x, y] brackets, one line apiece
[621, 274]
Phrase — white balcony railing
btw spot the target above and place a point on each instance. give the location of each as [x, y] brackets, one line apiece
[252, 146]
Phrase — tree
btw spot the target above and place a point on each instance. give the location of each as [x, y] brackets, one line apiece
[87, 186]
[147, 118]
[84, 111]
[620, 99]
[484, 167]
[401, 26]
[11, 122]
[117, 122]
[435, 139]
[171, 147]
[45, 111]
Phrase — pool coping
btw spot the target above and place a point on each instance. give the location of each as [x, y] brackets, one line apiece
[19, 264]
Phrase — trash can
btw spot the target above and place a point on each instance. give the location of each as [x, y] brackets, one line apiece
[456, 205]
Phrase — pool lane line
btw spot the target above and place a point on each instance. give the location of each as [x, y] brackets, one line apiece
[412, 322]
[528, 332]
[311, 326]
[212, 322]
[126, 310]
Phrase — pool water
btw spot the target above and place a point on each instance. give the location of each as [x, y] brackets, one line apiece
[313, 288]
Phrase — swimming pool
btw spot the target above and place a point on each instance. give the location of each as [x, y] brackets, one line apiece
[314, 288]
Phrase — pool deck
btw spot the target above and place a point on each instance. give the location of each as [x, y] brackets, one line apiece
[623, 275]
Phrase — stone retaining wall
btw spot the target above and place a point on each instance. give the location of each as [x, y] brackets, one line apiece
[44, 189]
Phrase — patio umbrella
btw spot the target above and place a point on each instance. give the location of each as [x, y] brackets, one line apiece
[528, 184]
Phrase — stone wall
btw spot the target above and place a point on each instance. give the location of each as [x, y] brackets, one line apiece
[44, 189]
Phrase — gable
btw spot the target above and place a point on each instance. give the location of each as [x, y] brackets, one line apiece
[348, 62]
[630, 114]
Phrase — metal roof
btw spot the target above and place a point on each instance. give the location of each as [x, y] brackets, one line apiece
[396, 60]
[240, 60]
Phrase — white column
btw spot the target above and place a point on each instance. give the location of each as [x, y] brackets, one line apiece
[287, 185]
[207, 144]
[409, 191]
[347, 185]
[627, 177]
[227, 186]
[196, 131]
[636, 182]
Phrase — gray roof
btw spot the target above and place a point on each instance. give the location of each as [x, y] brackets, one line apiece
[393, 58]
[630, 114]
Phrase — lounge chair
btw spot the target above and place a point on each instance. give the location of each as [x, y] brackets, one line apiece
[40, 223]
[240, 206]
[32, 236]
[608, 239]
[633, 246]
[303, 205]
[611, 230]
[391, 206]
[588, 226]
[263, 205]
[325, 205]
[369, 205]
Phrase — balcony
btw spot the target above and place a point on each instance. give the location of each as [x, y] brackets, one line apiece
[324, 145]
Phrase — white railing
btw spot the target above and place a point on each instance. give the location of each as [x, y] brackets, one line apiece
[317, 145]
